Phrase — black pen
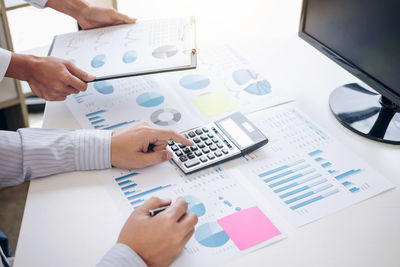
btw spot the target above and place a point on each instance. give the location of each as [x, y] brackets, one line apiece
[157, 211]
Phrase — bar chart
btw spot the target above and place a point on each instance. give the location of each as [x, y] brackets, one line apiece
[98, 121]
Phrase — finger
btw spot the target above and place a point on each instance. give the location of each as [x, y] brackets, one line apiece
[178, 209]
[188, 221]
[166, 135]
[82, 75]
[72, 90]
[156, 157]
[153, 203]
[159, 147]
[124, 18]
[187, 236]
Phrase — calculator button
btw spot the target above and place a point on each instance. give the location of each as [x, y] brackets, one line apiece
[190, 156]
[215, 140]
[220, 145]
[187, 137]
[192, 163]
[205, 150]
[178, 153]
[182, 146]
[192, 134]
[213, 147]
[210, 156]
[203, 159]
[218, 153]
[186, 150]
[225, 151]
[196, 140]
[203, 137]
[201, 145]
[183, 158]
[210, 135]
[170, 143]
[205, 129]
[208, 142]
[193, 148]
[198, 153]
[174, 148]
[199, 132]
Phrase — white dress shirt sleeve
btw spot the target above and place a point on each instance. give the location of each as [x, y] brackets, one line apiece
[5, 58]
[37, 3]
[31, 153]
[121, 255]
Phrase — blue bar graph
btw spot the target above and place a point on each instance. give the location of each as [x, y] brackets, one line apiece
[346, 183]
[97, 122]
[119, 125]
[312, 200]
[98, 126]
[281, 168]
[292, 178]
[128, 186]
[94, 118]
[134, 203]
[287, 173]
[129, 192]
[348, 173]
[310, 193]
[297, 183]
[332, 171]
[95, 113]
[354, 189]
[326, 164]
[319, 159]
[126, 176]
[124, 182]
[149, 191]
[298, 190]
[316, 152]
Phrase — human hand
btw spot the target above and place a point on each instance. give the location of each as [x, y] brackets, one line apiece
[158, 240]
[129, 148]
[49, 77]
[94, 17]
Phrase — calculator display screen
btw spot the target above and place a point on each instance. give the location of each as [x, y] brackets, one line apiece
[236, 132]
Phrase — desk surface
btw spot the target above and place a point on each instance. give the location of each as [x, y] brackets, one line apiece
[70, 219]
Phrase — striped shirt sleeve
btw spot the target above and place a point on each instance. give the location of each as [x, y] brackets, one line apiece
[31, 153]
[5, 58]
[121, 255]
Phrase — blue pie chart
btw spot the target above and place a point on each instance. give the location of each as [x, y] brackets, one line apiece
[211, 235]
[149, 99]
[243, 76]
[103, 87]
[260, 88]
[98, 61]
[194, 82]
[129, 56]
[195, 205]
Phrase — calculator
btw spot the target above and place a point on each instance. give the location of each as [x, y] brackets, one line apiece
[217, 142]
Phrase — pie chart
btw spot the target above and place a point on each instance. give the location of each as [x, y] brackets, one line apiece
[195, 205]
[165, 51]
[98, 61]
[129, 56]
[103, 87]
[260, 88]
[243, 76]
[165, 117]
[149, 99]
[194, 82]
[211, 235]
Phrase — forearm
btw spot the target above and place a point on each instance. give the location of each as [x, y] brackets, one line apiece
[72, 8]
[20, 66]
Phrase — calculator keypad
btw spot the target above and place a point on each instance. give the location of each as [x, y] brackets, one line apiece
[210, 146]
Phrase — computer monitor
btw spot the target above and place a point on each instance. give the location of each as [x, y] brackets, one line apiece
[362, 36]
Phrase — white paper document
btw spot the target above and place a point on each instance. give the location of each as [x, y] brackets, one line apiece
[148, 46]
[303, 172]
[223, 207]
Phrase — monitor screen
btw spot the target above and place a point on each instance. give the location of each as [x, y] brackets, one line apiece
[361, 35]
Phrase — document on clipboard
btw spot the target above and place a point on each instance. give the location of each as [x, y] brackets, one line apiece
[145, 47]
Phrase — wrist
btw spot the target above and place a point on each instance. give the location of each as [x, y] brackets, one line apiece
[21, 66]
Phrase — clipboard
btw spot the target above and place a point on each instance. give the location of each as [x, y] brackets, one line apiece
[146, 47]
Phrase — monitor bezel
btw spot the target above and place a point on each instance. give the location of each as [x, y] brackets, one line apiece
[344, 63]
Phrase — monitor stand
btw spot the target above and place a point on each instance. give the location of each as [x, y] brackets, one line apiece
[366, 113]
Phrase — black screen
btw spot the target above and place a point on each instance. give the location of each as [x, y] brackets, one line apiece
[365, 33]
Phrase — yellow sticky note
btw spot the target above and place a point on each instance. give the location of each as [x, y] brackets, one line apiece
[214, 103]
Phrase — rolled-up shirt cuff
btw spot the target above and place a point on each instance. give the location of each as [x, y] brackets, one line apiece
[5, 58]
[37, 3]
[121, 255]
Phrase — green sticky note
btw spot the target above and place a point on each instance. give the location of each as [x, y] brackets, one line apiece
[214, 103]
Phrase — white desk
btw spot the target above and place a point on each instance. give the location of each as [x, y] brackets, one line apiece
[70, 220]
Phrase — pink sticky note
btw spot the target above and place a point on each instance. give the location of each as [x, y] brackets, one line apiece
[248, 227]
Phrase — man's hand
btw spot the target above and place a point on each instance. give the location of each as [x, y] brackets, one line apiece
[50, 78]
[130, 148]
[158, 240]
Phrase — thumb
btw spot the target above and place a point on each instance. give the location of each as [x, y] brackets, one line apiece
[153, 203]
[152, 158]
[84, 76]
